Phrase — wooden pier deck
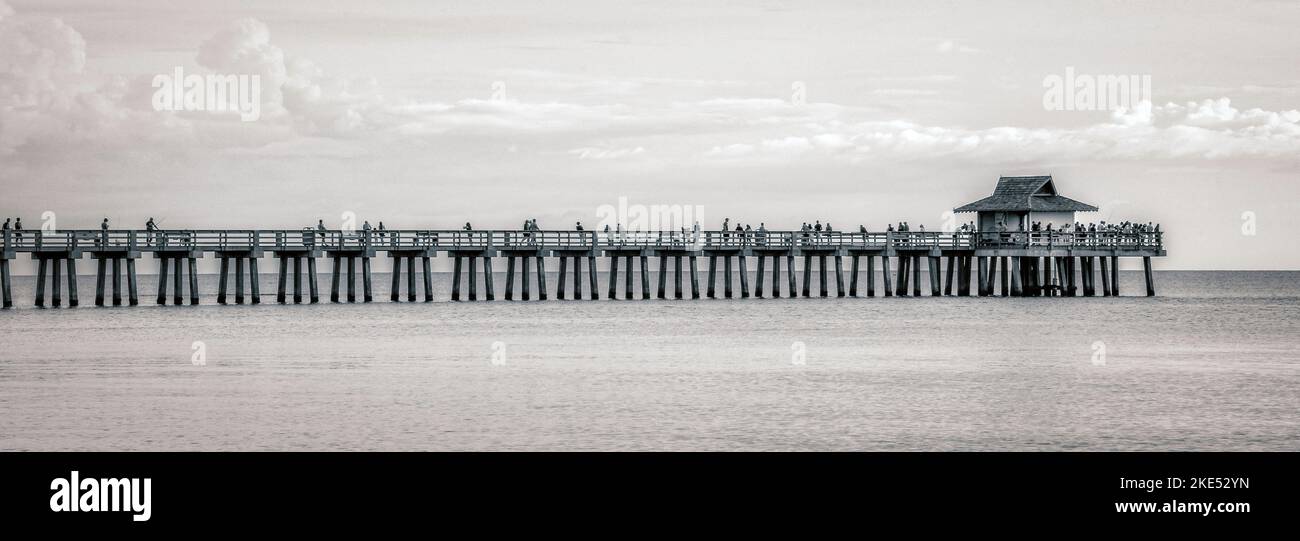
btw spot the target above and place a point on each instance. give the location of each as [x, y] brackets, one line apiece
[1038, 263]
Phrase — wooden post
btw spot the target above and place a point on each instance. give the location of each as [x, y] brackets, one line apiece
[72, 283]
[970, 271]
[822, 286]
[839, 276]
[365, 280]
[564, 270]
[613, 277]
[510, 278]
[853, 278]
[695, 280]
[297, 278]
[117, 281]
[410, 278]
[56, 287]
[1016, 289]
[178, 284]
[525, 286]
[471, 277]
[394, 292]
[983, 285]
[334, 279]
[255, 281]
[677, 277]
[663, 277]
[807, 276]
[963, 276]
[541, 278]
[194, 281]
[916, 275]
[1114, 275]
[131, 290]
[1105, 276]
[591, 277]
[1151, 281]
[744, 277]
[455, 279]
[225, 269]
[726, 275]
[791, 290]
[577, 278]
[162, 279]
[776, 276]
[489, 281]
[627, 279]
[281, 291]
[426, 267]
[645, 276]
[947, 284]
[7, 285]
[758, 277]
[352, 280]
[935, 289]
[871, 276]
[239, 282]
[713, 271]
[40, 282]
[99, 284]
[313, 291]
[900, 282]
[1005, 278]
[884, 266]
[993, 276]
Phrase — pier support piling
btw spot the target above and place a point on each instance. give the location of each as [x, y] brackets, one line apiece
[239, 283]
[117, 282]
[471, 277]
[807, 276]
[695, 279]
[162, 279]
[455, 279]
[884, 267]
[225, 270]
[776, 277]
[821, 276]
[193, 270]
[935, 290]
[677, 277]
[334, 279]
[871, 276]
[613, 278]
[758, 277]
[645, 276]
[591, 277]
[790, 277]
[352, 281]
[427, 269]
[254, 281]
[726, 276]
[40, 282]
[713, 271]
[916, 276]
[541, 278]
[661, 293]
[1150, 277]
[744, 277]
[628, 289]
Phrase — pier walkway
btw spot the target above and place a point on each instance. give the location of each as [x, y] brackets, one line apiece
[1037, 263]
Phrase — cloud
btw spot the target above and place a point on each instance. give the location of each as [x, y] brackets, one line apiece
[598, 153]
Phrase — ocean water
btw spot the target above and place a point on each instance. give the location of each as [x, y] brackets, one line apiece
[1212, 363]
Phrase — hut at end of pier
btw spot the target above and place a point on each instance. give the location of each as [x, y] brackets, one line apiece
[1017, 202]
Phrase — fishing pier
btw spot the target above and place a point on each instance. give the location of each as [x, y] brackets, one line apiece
[1005, 257]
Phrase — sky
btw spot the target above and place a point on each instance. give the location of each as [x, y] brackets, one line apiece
[429, 114]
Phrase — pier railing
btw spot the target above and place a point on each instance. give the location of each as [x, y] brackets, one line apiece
[307, 239]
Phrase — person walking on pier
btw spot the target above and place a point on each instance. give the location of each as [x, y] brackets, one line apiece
[18, 229]
[103, 233]
[150, 231]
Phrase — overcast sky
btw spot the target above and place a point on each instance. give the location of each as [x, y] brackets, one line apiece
[429, 114]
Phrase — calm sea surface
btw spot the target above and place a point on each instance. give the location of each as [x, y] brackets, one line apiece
[1213, 363]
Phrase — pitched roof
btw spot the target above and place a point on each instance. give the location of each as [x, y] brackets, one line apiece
[1023, 194]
